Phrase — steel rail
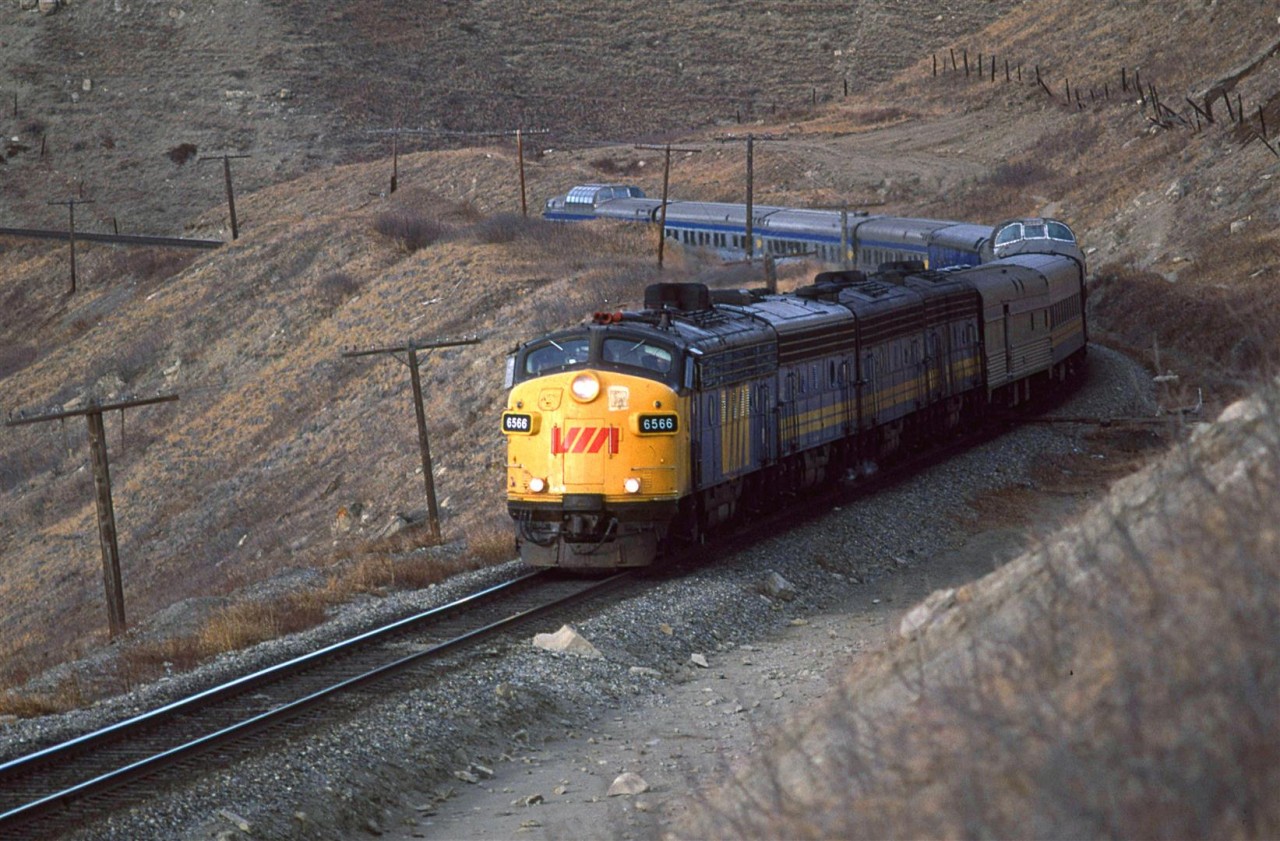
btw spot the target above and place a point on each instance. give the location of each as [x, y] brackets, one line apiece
[117, 239]
[43, 806]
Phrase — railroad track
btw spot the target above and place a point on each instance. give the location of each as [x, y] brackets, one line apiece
[55, 789]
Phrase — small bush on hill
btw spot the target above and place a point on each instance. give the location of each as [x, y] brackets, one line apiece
[413, 229]
[182, 153]
[506, 227]
[335, 289]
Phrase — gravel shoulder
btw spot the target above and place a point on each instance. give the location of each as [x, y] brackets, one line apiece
[512, 741]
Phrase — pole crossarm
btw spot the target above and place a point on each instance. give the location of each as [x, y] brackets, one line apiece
[92, 408]
[453, 133]
[393, 349]
[660, 148]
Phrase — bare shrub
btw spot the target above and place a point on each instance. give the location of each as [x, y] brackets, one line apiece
[1190, 322]
[609, 166]
[145, 263]
[1018, 175]
[492, 545]
[182, 153]
[335, 289]
[67, 696]
[465, 211]
[140, 357]
[14, 357]
[506, 227]
[884, 114]
[241, 625]
[413, 229]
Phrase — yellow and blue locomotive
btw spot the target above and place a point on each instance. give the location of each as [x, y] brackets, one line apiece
[643, 428]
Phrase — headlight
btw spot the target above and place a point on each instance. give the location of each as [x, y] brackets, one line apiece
[632, 484]
[585, 388]
[537, 484]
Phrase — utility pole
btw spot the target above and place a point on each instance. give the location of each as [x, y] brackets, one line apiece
[410, 350]
[518, 133]
[666, 179]
[226, 176]
[111, 578]
[395, 153]
[749, 245]
[71, 232]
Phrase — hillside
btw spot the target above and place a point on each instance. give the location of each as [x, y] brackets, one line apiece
[253, 475]
[116, 101]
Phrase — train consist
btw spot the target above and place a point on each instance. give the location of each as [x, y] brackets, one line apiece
[853, 239]
[643, 429]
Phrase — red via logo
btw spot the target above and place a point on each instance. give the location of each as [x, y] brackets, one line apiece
[584, 439]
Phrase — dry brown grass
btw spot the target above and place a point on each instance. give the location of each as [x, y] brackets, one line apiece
[382, 566]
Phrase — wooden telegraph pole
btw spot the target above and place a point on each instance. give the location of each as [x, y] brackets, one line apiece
[749, 245]
[518, 133]
[395, 153]
[410, 350]
[666, 180]
[71, 234]
[226, 176]
[111, 578]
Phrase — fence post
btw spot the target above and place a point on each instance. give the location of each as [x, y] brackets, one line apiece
[965, 51]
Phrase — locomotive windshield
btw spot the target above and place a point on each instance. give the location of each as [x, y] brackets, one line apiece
[638, 354]
[570, 350]
[557, 353]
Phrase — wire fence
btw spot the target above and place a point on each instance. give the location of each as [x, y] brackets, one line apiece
[1245, 124]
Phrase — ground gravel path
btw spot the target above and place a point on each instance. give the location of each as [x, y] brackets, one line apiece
[518, 742]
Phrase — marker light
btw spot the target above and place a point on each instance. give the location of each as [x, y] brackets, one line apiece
[585, 388]
[537, 484]
[632, 484]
